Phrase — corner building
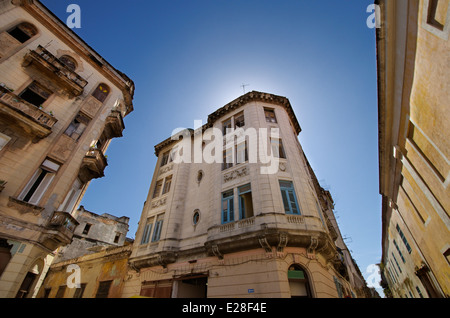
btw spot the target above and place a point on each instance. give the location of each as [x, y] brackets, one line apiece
[224, 229]
[61, 104]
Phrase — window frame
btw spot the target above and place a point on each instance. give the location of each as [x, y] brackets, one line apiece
[242, 210]
[289, 191]
[270, 119]
[39, 182]
[227, 216]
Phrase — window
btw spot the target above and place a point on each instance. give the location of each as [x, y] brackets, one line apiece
[103, 289]
[298, 282]
[86, 229]
[101, 92]
[79, 291]
[289, 198]
[4, 139]
[270, 115]
[23, 32]
[227, 206]
[116, 238]
[241, 152]
[419, 292]
[60, 292]
[39, 183]
[245, 201]
[77, 126]
[46, 292]
[399, 252]
[71, 197]
[35, 94]
[158, 226]
[235, 121]
[158, 187]
[239, 120]
[69, 62]
[405, 241]
[147, 230]
[227, 158]
[165, 159]
[447, 255]
[398, 266]
[226, 125]
[434, 18]
[277, 148]
[196, 217]
[167, 182]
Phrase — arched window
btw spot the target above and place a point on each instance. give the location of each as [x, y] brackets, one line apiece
[23, 32]
[298, 282]
[101, 92]
[69, 62]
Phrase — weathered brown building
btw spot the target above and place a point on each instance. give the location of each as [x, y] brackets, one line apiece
[61, 104]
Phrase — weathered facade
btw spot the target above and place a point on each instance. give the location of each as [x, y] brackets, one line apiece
[94, 233]
[61, 104]
[413, 55]
[97, 275]
[235, 227]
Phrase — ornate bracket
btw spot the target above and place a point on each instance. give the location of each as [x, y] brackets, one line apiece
[265, 245]
[312, 247]
[216, 252]
[282, 243]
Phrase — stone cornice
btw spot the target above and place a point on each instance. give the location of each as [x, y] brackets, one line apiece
[253, 96]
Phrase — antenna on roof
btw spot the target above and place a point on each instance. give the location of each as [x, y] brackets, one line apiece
[243, 87]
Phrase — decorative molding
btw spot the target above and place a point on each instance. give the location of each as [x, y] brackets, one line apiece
[165, 169]
[312, 247]
[159, 203]
[216, 252]
[265, 245]
[282, 243]
[238, 173]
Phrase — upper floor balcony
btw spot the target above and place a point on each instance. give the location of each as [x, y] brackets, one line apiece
[114, 125]
[53, 68]
[93, 165]
[270, 230]
[29, 117]
[59, 230]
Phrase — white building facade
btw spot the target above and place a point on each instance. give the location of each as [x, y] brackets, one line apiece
[236, 227]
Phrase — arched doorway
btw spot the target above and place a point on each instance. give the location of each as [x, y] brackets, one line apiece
[299, 284]
[30, 280]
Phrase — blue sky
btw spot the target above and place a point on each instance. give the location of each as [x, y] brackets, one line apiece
[190, 57]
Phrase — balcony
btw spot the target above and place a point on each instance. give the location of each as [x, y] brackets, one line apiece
[46, 62]
[114, 125]
[30, 118]
[269, 230]
[93, 165]
[59, 230]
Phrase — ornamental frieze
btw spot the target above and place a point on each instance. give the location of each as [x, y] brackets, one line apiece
[235, 174]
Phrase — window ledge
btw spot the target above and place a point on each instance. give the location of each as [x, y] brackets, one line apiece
[24, 207]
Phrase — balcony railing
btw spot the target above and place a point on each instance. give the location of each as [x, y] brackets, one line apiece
[93, 165]
[265, 221]
[62, 225]
[53, 67]
[36, 120]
